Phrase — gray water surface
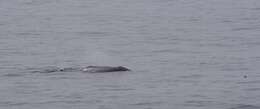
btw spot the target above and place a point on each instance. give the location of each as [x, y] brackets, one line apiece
[184, 54]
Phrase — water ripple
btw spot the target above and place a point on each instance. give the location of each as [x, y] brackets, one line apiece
[147, 103]
[13, 75]
[245, 106]
[245, 29]
[197, 103]
[249, 82]
[252, 89]
[116, 89]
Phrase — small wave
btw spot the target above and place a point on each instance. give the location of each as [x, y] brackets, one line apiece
[244, 28]
[197, 103]
[245, 106]
[191, 76]
[27, 34]
[117, 89]
[253, 89]
[9, 103]
[147, 103]
[249, 82]
[255, 8]
[47, 69]
[12, 75]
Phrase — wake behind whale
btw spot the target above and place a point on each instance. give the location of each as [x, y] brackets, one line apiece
[88, 69]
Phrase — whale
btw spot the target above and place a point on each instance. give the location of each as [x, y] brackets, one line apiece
[88, 69]
[101, 69]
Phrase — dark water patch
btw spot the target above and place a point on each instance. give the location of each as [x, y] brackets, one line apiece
[227, 21]
[192, 76]
[45, 71]
[249, 18]
[186, 81]
[245, 29]
[197, 103]
[68, 102]
[48, 69]
[96, 33]
[148, 103]
[113, 88]
[252, 44]
[70, 96]
[177, 51]
[51, 102]
[10, 103]
[257, 9]
[27, 34]
[165, 51]
[245, 106]
[194, 19]
[223, 45]
[116, 89]
[60, 76]
[13, 75]
[252, 89]
[198, 96]
[249, 82]
[61, 101]
[93, 34]
[235, 69]
[37, 2]
[36, 103]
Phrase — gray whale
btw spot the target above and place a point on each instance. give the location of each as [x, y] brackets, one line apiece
[100, 69]
[88, 69]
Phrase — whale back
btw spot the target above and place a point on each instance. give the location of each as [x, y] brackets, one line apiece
[90, 69]
[100, 69]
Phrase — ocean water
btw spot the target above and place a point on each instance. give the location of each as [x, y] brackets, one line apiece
[184, 54]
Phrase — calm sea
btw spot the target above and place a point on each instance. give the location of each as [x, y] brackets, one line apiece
[184, 54]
